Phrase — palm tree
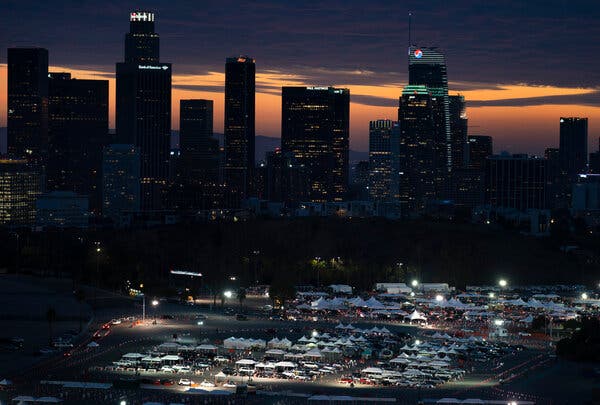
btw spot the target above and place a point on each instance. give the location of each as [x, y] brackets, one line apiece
[50, 317]
[241, 294]
[80, 297]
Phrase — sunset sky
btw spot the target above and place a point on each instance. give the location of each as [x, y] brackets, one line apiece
[520, 64]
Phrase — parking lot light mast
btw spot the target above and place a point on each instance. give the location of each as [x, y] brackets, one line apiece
[154, 305]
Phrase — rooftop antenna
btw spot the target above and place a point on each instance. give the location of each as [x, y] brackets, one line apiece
[409, 27]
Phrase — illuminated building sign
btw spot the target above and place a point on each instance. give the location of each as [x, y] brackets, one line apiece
[418, 53]
[317, 88]
[186, 273]
[151, 67]
[141, 16]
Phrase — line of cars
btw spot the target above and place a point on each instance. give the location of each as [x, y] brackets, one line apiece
[61, 343]
[167, 382]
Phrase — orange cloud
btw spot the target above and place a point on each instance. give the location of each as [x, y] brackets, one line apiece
[517, 129]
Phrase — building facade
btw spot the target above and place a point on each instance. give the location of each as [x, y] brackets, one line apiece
[62, 209]
[573, 146]
[384, 164]
[20, 185]
[427, 66]
[315, 128]
[480, 147]
[198, 149]
[120, 180]
[417, 147]
[27, 118]
[458, 129]
[78, 130]
[239, 127]
[595, 160]
[516, 182]
[143, 110]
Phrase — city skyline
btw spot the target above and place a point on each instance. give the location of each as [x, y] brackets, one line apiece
[538, 85]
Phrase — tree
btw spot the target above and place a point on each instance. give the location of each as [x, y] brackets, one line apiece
[80, 297]
[280, 291]
[241, 295]
[51, 318]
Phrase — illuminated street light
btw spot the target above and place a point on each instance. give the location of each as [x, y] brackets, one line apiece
[492, 295]
[123, 402]
[228, 294]
[417, 342]
[414, 283]
[498, 322]
[154, 303]
[439, 298]
[502, 283]
[584, 296]
[315, 333]
[412, 293]
[200, 323]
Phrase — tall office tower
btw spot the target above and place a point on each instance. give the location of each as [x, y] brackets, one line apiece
[143, 112]
[20, 186]
[196, 185]
[427, 66]
[458, 130]
[315, 126]
[198, 149]
[573, 146]
[480, 148]
[517, 182]
[142, 44]
[239, 124]
[77, 132]
[384, 164]
[120, 180]
[417, 147]
[27, 118]
[595, 160]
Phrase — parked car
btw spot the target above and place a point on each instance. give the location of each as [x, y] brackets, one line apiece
[185, 382]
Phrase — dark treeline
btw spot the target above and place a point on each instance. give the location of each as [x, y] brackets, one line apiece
[359, 252]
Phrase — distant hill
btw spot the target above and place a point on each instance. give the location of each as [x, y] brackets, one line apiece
[263, 145]
[266, 144]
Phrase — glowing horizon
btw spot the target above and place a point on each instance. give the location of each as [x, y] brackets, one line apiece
[504, 123]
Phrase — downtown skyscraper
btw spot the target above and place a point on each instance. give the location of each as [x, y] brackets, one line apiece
[315, 126]
[416, 115]
[573, 146]
[143, 110]
[384, 165]
[77, 132]
[239, 124]
[27, 119]
[427, 66]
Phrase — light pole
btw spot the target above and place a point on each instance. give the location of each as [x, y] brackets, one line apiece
[256, 253]
[399, 264]
[143, 307]
[95, 281]
[154, 305]
[317, 261]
